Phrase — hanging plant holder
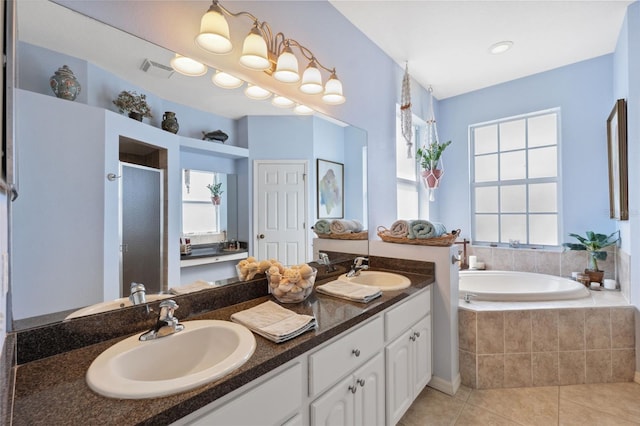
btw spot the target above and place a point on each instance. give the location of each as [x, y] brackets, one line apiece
[406, 117]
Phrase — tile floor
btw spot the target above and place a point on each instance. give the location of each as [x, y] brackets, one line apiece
[614, 404]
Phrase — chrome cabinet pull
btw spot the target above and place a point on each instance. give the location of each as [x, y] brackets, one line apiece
[417, 334]
[356, 352]
[360, 382]
[353, 389]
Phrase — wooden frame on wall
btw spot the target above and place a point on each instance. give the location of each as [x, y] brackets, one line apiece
[330, 189]
[618, 167]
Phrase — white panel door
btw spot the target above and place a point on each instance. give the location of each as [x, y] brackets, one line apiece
[280, 210]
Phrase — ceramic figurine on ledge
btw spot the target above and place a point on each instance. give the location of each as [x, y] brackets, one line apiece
[64, 84]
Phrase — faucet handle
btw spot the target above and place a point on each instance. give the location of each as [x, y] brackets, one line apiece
[323, 258]
[167, 308]
[358, 260]
[138, 292]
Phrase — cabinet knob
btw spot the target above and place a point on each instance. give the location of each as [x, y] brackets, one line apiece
[353, 389]
[360, 382]
[412, 337]
[356, 352]
[417, 334]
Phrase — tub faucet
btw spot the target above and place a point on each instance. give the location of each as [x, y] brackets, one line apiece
[358, 266]
[468, 296]
[166, 325]
[138, 293]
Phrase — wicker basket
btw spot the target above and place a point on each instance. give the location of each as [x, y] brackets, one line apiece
[445, 240]
[352, 236]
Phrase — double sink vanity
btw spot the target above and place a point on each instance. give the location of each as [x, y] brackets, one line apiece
[367, 356]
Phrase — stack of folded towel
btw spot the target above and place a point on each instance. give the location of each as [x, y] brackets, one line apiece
[350, 291]
[274, 322]
[189, 288]
[337, 226]
[413, 229]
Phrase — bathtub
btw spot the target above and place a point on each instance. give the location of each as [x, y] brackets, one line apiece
[514, 286]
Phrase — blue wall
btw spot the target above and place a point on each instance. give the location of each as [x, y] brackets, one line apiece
[583, 91]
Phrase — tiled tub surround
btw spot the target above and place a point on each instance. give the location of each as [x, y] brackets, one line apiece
[546, 347]
[52, 390]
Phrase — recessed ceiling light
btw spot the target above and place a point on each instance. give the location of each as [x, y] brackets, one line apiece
[500, 47]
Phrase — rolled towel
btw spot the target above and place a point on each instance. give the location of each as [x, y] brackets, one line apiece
[425, 229]
[399, 229]
[322, 226]
[343, 226]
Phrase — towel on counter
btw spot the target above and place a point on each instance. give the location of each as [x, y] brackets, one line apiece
[350, 291]
[274, 322]
[425, 229]
[322, 226]
[189, 288]
[343, 226]
[399, 229]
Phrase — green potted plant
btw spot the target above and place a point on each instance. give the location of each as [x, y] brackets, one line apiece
[133, 103]
[429, 158]
[594, 244]
[216, 192]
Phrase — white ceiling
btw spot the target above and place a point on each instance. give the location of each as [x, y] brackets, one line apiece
[446, 42]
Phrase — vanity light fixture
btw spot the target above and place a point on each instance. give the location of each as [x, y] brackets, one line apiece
[256, 92]
[282, 102]
[263, 50]
[187, 66]
[302, 110]
[500, 47]
[226, 81]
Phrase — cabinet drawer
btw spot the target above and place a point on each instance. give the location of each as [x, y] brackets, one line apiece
[332, 362]
[404, 316]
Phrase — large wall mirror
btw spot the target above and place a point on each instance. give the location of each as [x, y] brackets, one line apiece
[63, 163]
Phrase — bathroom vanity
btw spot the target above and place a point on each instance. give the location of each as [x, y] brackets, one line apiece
[358, 354]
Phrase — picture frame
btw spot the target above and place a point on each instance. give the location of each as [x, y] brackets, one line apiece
[330, 189]
[618, 162]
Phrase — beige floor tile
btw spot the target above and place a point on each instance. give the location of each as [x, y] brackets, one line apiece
[572, 413]
[618, 399]
[474, 416]
[432, 407]
[463, 393]
[526, 406]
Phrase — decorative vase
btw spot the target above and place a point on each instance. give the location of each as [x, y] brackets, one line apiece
[431, 178]
[170, 122]
[64, 84]
[215, 200]
[135, 115]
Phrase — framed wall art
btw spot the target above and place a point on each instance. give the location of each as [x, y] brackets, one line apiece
[330, 199]
[618, 167]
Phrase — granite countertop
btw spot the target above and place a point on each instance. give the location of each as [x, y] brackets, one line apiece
[200, 252]
[53, 390]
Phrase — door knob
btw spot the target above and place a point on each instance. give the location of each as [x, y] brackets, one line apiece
[261, 236]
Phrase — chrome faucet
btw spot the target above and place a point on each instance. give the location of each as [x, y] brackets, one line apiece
[138, 294]
[358, 266]
[166, 325]
[324, 260]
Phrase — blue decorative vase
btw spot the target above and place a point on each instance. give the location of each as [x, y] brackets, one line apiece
[64, 84]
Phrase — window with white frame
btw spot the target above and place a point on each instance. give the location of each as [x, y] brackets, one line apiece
[411, 201]
[515, 184]
[199, 214]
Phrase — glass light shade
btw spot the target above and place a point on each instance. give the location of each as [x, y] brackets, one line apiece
[282, 102]
[302, 110]
[214, 32]
[287, 67]
[226, 81]
[188, 66]
[256, 92]
[254, 51]
[333, 91]
[311, 80]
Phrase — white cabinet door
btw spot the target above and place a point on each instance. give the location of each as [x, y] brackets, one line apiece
[399, 383]
[422, 358]
[336, 406]
[369, 396]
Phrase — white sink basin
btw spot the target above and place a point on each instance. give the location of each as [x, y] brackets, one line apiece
[201, 353]
[385, 281]
[111, 305]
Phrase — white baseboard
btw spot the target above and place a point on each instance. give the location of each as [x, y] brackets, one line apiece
[636, 377]
[446, 386]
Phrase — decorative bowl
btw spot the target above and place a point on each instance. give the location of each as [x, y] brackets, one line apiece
[291, 287]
